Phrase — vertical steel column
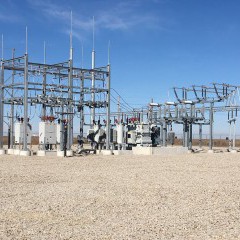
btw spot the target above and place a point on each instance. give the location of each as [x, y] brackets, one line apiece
[234, 134]
[69, 125]
[141, 118]
[25, 121]
[190, 128]
[81, 104]
[1, 103]
[119, 109]
[230, 135]
[44, 83]
[108, 107]
[211, 126]
[62, 129]
[186, 133]
[161, 133]
[184, 140]
[92, 119]
[164, 137]
[164, 133]
[70, 108]
[12, 104]
[200, 136]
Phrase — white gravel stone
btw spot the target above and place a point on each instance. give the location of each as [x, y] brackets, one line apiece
[190, 196]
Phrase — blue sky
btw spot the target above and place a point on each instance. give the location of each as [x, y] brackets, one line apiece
[155, 44]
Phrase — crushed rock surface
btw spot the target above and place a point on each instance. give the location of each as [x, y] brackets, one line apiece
[192, 196]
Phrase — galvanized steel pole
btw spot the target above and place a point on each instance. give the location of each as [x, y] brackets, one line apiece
[25, 121]
[12, 104]
[1, 103]
[211, 126]
[108, 107]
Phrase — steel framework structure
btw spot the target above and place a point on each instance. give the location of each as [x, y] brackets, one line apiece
[69, 95]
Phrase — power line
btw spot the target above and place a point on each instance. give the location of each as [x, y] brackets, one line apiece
[121, 98]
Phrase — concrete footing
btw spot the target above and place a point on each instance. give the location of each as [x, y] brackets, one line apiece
[69, 153]
[233, 151]
[210, 151]
[2, 151]
[106, 152]
[159, 150]
[60, 153]
[16, 151]
[122, 152]
[10, 151]
[41, 153]
[25, 153]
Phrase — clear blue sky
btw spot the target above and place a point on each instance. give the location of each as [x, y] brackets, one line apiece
[155, 44]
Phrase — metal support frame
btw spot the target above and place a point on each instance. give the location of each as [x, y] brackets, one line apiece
[12, 106]
[200, 136]
[70, 108]
[72, 92]
[108, 107]
[211, 126]
[25, 120]
[1, 103]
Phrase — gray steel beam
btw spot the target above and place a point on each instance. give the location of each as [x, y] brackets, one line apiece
[200, 136]
[81, 107]
[211, 126]
[25, 121]
[12, 107]
[1, 104]
[108, 108]
[92, 89]
[70, 107]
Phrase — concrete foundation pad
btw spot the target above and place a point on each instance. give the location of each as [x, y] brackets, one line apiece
[69, 153]
[60, 153]
[25, 153]
[16, 152]
[210, 151]
[2, 151]
[159, 150]
[233, 151]
[142, 150]
[98, 151]
[122, 152]
[41, 153]
[106, 152]
[10, 151]
[171, 150]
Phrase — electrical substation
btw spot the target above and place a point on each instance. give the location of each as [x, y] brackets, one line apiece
[66, 94]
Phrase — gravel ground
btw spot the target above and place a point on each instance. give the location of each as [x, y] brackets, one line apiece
[192, 196]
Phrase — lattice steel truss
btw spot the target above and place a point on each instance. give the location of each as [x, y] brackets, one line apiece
[69, 95]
